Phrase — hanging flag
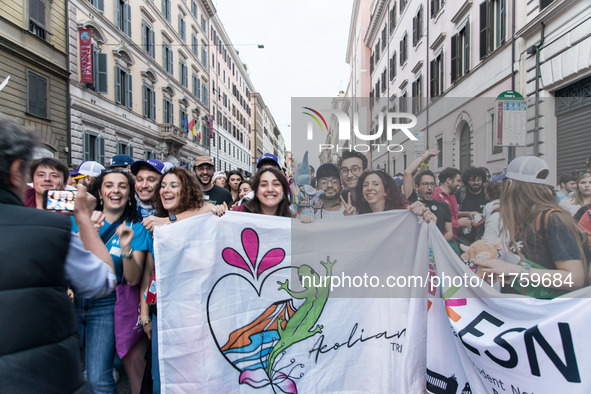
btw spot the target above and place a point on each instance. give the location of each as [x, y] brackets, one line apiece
[185, 123]
[197, 129]
[192, 126]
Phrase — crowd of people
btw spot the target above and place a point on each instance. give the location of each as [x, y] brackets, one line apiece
[108, 241]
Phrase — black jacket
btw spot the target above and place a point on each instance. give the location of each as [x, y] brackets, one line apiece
[39, 345]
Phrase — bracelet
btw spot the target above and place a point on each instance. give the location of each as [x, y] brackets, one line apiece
[146, 323]
[425, 165]
[127, 255]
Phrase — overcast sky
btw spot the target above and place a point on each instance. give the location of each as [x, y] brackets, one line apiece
[305, 47]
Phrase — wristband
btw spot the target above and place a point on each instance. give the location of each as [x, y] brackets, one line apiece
[425, 164]
[127, 255]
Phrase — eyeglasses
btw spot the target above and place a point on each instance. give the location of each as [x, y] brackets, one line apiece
[428, 184]
[355, 170]
[325, 182]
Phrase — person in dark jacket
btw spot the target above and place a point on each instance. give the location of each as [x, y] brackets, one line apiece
[40, 348]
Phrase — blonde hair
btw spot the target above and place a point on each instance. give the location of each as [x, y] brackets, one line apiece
[522, 202]
[577, 197]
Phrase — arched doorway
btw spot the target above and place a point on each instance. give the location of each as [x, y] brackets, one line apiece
[465, 158]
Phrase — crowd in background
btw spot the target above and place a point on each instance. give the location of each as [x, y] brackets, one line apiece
[536, 228]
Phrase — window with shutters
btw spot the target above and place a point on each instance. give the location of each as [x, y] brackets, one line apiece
[436, 6]
[123, 87]
[384, 37]
[148, 41]
[194, 8]
[392, 18]
[37, 18]
[493, 25]
[417, 93]
[403, 53]
[167, 60]
[545, 3]
[184, 73]
[393, 66]
[203, 24]
[403, 4]
[166, 10]
[376, 52]
[440, 155]
[204, 93]
[37, 95]
[149, 107]
[460, 53]
[384, 81]
[125, 148]
[99, 72]
[182, 27]
[417, 27]
[403, 104]
[149, 154]
[196, 86]
[98, 4]
[124, 17]
[195, 45]
[167, 111]
[436, 75]
[93, 147]
[204, 55]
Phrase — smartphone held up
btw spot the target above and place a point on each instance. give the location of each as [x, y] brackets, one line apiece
[59, 200]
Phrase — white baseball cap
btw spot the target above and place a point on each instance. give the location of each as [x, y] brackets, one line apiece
[91, 168]
[529, 169]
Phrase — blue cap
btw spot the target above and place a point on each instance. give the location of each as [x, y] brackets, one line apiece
[268, 157]
[121, 161]
[152, 163]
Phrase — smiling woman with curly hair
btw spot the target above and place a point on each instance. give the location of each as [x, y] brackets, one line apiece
[177, 192]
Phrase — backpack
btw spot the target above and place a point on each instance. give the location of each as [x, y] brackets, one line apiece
[584, 237]
[585, 225]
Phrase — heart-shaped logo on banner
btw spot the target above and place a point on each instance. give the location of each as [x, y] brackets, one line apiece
[258, 344]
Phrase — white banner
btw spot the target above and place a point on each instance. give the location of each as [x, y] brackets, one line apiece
[480, 341]
[235, 313]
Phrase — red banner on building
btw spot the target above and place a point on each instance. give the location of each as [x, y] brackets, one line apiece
[85, 56]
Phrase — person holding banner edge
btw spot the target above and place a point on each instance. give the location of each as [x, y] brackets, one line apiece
[177, 197]
[541, 239]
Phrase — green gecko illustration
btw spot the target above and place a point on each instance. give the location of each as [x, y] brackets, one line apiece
[299, 326]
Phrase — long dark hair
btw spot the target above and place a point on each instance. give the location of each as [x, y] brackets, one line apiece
[191, 196]
[229, 188]
[254, 205]
[130, 213]
[394, 198]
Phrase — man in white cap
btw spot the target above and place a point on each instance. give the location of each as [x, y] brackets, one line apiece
[87, 171]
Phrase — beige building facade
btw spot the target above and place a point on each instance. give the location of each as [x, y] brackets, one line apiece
[33, 62]
[149, 80]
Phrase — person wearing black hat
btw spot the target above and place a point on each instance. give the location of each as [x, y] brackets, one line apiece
[328, 179]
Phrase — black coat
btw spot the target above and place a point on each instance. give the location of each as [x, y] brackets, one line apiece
[39, 345]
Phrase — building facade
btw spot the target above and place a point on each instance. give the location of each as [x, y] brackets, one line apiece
[230, 103]
[148, 89]
[446, 63]
[33, 63]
